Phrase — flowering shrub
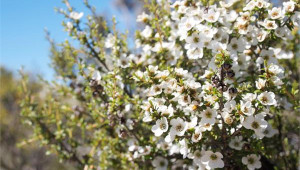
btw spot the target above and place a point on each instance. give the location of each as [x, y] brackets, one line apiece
[205, 87]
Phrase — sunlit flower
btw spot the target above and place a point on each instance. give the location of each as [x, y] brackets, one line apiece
[160, 127]
[247, 108]
[275, 13]
[270, 25]
[75, 15]
[289, 6]
[267, 98]
[208, 116]
[260, 83]
[212, 160]
[256, 123]
[197, 135]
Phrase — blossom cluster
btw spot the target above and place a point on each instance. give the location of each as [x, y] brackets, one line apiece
[189, 110]
[206, 87]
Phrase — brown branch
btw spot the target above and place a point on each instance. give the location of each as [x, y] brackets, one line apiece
[223, 123]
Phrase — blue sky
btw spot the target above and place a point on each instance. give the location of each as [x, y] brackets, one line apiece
[22, 33]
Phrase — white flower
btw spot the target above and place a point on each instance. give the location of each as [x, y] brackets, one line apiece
[197, 134]
[138, 75]
[192, 84]
[174, 148]
[147, 117]
[160, 163]
[270, 25]
[212, 16]
[284, 54]
[152, 69]
[184, 100]
[231, 16]
[129, 124]
[261, 83]
[227, 4]
[261, 35]
[262, 4]
[180, 72]
[75, 15]
[252, 161]
[206, 33]
[69, 26]
[142, 17]
[282, 32]
[229, 106]
[96, 76]
[193, 122]
[270, 131]
[267, 98]
[243, 28]
[250, 6]
[275, 13]
[247, 108]
[206, 127]
[132, 143]
[208, 116]
[256, 123]
[236, 45]
[184, 150]
[277, 81]
[289, 6]
[155, 90]
[249, 97]
[162, 74]
[275, 69]
[210, 98]
[166, 111]
[164, 145]
[268, 55]
[197, 155]
[169, 86]
[144, 150]
[124, 61]
[296, 19]
[195, 53]
[179, 126]
[147, 32]
[236, 143]
[212, 160]
[227, 118]
[186, 23]
[160, 127]
[207, 86]
[244, 17]
[110, 41]
[193, 41]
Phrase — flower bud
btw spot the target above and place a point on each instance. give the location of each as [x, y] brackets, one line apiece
[95, 94]
[226, 66]
[123, 120]
[215, 77]
[123, 133]
[93, 83]
[232, 90]
[228, 120]
[222, 87]
[230, 74]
